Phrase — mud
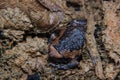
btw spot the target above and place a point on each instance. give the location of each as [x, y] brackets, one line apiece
[26, 25]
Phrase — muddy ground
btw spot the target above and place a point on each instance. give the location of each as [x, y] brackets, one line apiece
[25, 31]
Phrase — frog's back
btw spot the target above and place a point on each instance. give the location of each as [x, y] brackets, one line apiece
[73, 39]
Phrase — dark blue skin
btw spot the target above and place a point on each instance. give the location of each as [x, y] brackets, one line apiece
[69, 44]
[33, 77]
[73, 39]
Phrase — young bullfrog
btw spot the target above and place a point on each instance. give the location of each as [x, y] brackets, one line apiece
[68, 45]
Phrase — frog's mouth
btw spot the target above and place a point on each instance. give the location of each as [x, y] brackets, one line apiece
[54, 53]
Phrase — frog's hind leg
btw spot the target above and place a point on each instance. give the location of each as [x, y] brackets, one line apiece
[70, 65]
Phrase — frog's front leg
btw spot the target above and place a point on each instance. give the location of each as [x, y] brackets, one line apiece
[54, 38]
[54, 53]
[70, 65]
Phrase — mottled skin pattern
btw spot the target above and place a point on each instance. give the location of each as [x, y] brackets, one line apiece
[68, 44]
[73, 39]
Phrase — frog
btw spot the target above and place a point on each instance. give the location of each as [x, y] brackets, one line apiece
[66, 45]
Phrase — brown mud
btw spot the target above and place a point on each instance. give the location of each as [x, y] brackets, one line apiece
[26, 25]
